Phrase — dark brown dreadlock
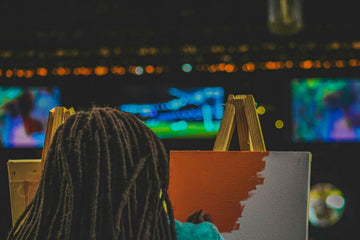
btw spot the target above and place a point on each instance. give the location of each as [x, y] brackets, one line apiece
[102, 180]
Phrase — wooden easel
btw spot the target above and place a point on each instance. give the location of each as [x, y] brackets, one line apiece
[240, 110]
[25, 175]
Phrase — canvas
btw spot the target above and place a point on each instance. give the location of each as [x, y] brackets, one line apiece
[250, 195]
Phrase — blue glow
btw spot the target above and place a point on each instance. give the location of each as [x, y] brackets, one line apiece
[208, 123]
[176, 104]
[178, 93]
[186, 67]
[178, 126]
[152, 123]
[192, 111]
[198, 96]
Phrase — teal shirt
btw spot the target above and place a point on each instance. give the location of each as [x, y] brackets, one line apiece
[190, 231]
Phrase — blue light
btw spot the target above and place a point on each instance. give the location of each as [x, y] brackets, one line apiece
[193, 109]
[178, 126]
[152, 123]
[208, 123]
[186, 67]
[198, 96]
[175, 104]
[178, 93]
[143, 109]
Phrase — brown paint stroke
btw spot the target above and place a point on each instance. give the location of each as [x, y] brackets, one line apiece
[216, 182]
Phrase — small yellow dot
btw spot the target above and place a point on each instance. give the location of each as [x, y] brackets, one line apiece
[279, 124]
[261, 110]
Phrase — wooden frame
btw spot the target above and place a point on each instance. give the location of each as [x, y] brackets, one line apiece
[25, 175]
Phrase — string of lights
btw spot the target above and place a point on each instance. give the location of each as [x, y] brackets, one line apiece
[138, 70]
[310, 47]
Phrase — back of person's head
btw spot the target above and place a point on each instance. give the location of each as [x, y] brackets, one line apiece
[103, 178]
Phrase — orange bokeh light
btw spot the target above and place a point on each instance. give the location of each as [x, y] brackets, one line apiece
[289, 64]
[42, 72]
[353, 62]
[118, 70]
[306, 64]
[149, 69]
[8, 73]
[339, 63]
[101, 70]
[326, 64]
[60, 71]
[272, 65]
[159, 69]
[82, 71]
[20, 73]
[29, 73]
[212, 68]
[356, 45]
[230, 68]
[248, 67]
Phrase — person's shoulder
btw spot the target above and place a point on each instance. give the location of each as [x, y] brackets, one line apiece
[204, 230]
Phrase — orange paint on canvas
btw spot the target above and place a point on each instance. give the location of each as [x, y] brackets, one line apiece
[214, 181]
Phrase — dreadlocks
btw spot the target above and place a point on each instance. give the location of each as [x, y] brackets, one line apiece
[102, 180]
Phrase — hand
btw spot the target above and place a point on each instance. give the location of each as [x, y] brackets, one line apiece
[198, 217]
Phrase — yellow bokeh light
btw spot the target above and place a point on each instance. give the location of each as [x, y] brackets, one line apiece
[356, 45]
[279, 124]
[243, 48]
[261, 110]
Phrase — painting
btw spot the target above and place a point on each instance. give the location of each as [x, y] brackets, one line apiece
[250, 195]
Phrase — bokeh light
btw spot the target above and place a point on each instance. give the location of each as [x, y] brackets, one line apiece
[139, 70]
[279, 124]
[261, 110]
[327, 205]
[186, 67]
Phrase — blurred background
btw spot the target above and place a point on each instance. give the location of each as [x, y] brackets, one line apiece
[174, 64]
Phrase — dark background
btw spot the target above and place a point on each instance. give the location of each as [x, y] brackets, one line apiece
[33, 33]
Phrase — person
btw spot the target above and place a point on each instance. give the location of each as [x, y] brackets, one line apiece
[106, 176]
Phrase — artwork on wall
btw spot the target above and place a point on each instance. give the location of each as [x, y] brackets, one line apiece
[24, 113]
[250, 195]
[325, 110]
